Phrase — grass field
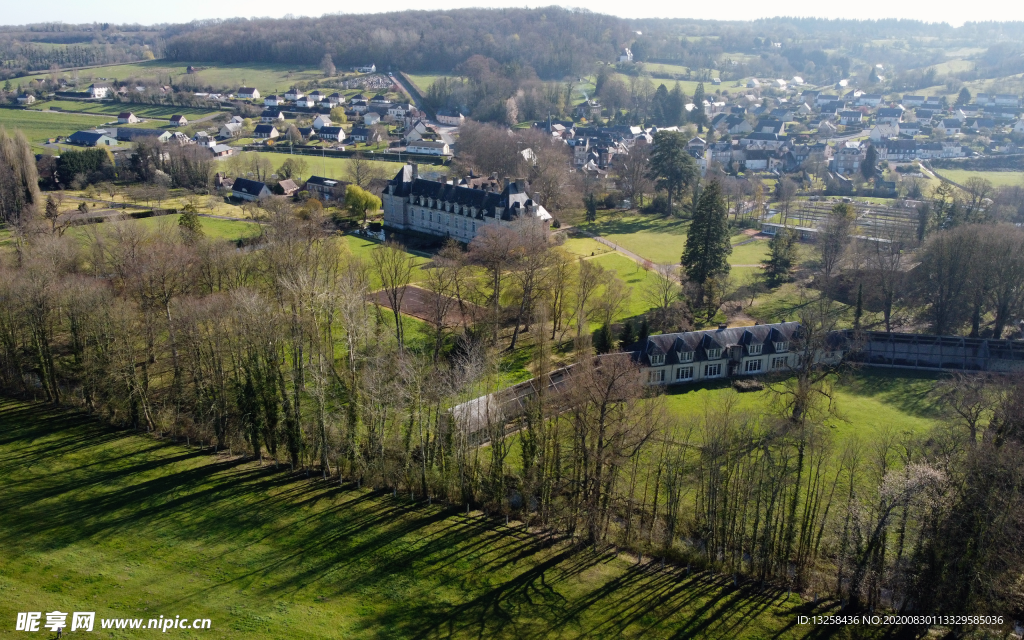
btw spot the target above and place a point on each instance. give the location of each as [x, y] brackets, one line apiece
[869, 402]
[38, 126]
[268, 78]
[214, 228]
[161, 112]
[129, 526]
[338, 167]
[997, 178]
[423, 82]
[660, 240]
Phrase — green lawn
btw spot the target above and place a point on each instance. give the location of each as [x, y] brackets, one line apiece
[423, 82]
[755, 252]
[869, 402]
[586, 247]
[997, 178]
[126, 525]
[659, 239]
[214, 228]
[337, 168]
[38, 126]
[162, 112]
[268, 78]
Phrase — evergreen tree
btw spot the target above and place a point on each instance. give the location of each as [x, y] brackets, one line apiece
[603, 339]
[659, 104]
[674, 108]
[645, 331]
[782, 255]
[627, 337]
[868, 167]
[590, 202]
[707, 242]
[697, 116]
[963, 98]
[188, 224]
[672, 167]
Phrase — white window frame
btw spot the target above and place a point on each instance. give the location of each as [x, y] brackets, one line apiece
[754, 349]
[779, 362]
[685, 356]
[657, 360]
[781, 347]
[714, 354]
[656, 376]
[680, 373]
[712, 370]
[752, 366]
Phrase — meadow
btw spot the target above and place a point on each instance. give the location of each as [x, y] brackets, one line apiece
[156, 111]
[268, 78]
[997, 178]
[38, 126]
[129, 525]
[213, 228]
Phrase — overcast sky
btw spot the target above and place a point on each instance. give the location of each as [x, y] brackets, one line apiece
[149, 11]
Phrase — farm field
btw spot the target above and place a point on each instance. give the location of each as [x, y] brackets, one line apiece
[132, 526]
[268, 78]
[162, 112]
[423, 81]
[39, 126]
[997, 178]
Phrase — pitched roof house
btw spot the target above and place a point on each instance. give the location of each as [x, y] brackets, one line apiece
[249, 189]
[248, 93]
[178, 121]
[265, 131]
[127, 117]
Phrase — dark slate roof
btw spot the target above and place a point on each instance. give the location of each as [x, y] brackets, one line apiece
[699, 342]
[85, 137]
[507, 204]
[361, 132]
[264, 129]
[270, 113]
[326, 183]
[890, 112]
[330, 131]
[136, 134]
[248, 187]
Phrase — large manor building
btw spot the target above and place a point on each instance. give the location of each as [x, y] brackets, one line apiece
[458, 209]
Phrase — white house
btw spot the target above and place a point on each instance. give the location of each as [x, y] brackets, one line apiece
[270, 116]
[336, 134]
[371, 118]
[305, 101]
[321, 121]
[26, 98]
[231, 130]
[98, 90]
[1018, 127]
[178, 121]
[293, 94]
[272, 101]
[249, 190]
[626, 56]
[884, 131]
[367, 69]
[248, 93]
[127, 117]
[316, 96]
[428, 148]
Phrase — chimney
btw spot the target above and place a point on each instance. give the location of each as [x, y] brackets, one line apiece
[505, 182]
[723, 327]
[521, 185]
[415, 171]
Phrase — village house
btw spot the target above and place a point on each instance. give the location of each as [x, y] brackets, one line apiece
[850, 117]
[380, 100]
[362, 134]
[325, 189]
[230, 130]
[248, 93]
[626, 55]
[889, 115]
[827, 129]
[335, 99]
[287, 187]
[881, 132]
[316, 96]
[178, 121]
[26, 98]
[265, 132]
[913, 101]
[459, 210]
[847, 160]
[367, 69]
[334, 134]
[371, 118]
[951, 126]
[222, 150]
[359, 106]
[271, 116]
[305, 102]
[321, 121]
[451, 117]
[153, 135]
[293, 94]
[427, 147]
[98, 90]
[272, 101]
[249, 190]
[127, 117]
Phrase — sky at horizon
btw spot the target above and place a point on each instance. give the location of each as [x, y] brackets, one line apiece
[85, 11]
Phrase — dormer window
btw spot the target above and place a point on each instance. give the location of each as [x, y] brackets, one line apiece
[781, 346]
[685, 356]
[657, 360]
[754, 349]
[714, 354]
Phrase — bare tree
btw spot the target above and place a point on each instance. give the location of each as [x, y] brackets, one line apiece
[393, 268]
